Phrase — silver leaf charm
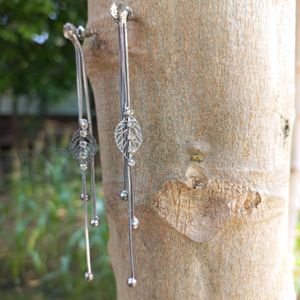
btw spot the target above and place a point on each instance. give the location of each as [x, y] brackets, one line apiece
[128, 136]
[83, 146]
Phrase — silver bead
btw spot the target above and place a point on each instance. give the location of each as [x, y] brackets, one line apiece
[131, 162]
[84, 124]
[81, 32]
[119, 10]
[89, 276]
[131, 282]
[84, 197]
[128, 112]
[131, 149]
[135, 222]
[83, 144]
[83, 133]
[83, 155]
[83, 166]
[124, 195]
[69, 31]
[95, 221]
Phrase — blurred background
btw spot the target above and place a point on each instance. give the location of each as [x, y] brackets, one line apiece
[42, 252]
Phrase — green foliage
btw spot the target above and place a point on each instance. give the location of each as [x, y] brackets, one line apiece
[42, 245]
[36, 60]
[297, 258]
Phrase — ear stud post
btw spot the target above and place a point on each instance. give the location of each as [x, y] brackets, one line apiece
[83, 144]
[128, 135]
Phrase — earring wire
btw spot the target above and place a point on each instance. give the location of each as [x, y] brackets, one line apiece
[83, 145]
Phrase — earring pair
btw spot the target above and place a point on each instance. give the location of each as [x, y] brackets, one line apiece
[127, 134]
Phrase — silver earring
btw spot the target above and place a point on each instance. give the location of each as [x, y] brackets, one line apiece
[128, 136]
[83, 145]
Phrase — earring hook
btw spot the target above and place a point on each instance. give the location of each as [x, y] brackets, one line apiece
[71, 31]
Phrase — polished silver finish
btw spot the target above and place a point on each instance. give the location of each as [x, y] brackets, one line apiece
[124, 195]
[81, 33]
[84, 197]
[89, 276]
[84, 124]
[71, 32]
[83, 144]
[95, 221]
[120, 11]
[128, 135]
[135, 222]
[131, 282]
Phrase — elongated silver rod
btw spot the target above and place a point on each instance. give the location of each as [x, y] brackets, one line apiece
[79, 84]
[123, 93]
[85, 92]
[124, 64]
[85, 83]
[93, 190]
[121, 80]
[89, 274]
[130, 219]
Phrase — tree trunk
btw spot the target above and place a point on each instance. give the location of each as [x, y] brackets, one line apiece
[295, 165]
[212, 83]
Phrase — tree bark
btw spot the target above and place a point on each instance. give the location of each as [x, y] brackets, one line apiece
[295, 164]
[212, 84]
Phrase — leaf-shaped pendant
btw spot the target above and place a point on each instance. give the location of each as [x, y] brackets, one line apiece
[83, 147]
[128, 136]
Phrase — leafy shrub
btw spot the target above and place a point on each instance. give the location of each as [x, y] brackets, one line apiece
[42, 243]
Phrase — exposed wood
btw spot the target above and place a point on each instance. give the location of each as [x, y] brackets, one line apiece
[212, 84]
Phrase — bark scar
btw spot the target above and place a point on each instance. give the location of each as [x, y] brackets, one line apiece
[200, 213]
[285, 127]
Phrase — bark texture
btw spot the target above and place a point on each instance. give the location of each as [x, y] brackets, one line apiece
[212, 84]
[295, 165]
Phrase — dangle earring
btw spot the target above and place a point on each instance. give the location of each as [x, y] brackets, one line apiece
[83, 144]
[128, 136]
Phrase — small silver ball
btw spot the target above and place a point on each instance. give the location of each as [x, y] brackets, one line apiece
[83, 155]
[84, 197]
[82, 144]
[124, 195]
[83, 167]
[131, 282]
[119, 10]
[84, 124]
[81, 32]
[135, 222]
[131, 162]
[128, 112]
[83, 133]
[89, 276]
[95, 221]
[69, 31]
